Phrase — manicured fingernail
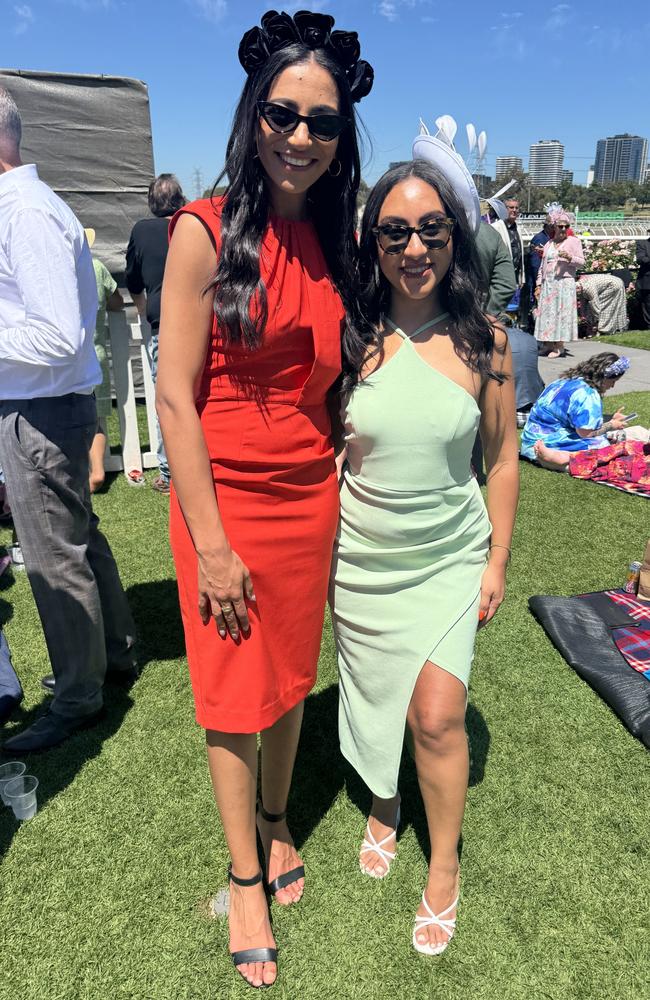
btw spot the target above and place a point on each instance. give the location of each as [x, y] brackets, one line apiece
[481, 615]
[222, 634]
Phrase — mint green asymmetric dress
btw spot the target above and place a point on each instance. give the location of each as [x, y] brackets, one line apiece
[409, 555]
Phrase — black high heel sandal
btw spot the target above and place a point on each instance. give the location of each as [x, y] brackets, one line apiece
[250, 955]
[288, 878]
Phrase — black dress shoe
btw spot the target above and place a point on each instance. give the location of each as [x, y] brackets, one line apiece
[48, 731]
[123, 678]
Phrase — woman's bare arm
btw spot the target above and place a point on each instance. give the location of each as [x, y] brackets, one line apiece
[186, 322]
[499, 438]
[615, 423]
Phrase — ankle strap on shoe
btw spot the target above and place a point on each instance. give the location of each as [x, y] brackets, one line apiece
[244, 881]
[271, 817]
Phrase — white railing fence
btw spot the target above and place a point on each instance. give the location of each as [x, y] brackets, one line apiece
[123, 335]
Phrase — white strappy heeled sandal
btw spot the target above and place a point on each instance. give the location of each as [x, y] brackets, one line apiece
[448, 925]
[377, 847]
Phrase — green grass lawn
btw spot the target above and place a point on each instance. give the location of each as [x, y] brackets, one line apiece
[630, 338]
[103, 896]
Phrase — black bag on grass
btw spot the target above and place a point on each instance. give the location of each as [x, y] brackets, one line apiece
[580, 628]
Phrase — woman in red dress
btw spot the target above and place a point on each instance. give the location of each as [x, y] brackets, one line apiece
[252, 318]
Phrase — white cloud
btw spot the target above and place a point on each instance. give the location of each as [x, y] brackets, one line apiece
[25, 17]
[392, 9]
[210, 10]
[89, 5]
[560, 15]
[388, 9]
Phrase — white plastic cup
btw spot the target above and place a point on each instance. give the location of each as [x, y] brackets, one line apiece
[21, 795]
[9, 771]
[16, 554]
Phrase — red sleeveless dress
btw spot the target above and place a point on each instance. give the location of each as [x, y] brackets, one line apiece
[267, 429]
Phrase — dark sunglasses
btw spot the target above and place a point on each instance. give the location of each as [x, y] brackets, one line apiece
[561, 225]
[283, 120]
[395, 239]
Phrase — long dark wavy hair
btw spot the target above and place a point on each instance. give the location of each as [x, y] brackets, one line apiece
[240, 300]
[471, 332]
[592, 371]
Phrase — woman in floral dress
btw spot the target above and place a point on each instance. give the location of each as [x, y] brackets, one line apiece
[557, 315]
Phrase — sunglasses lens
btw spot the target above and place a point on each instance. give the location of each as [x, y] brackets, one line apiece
[392, 239]
[435, 236]
[278, 118]
[326, 127]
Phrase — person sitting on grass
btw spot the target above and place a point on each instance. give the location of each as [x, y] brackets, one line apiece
[568, 416]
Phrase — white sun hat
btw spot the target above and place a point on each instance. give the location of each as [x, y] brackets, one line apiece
[439, 150]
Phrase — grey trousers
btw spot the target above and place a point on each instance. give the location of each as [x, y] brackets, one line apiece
[44, 445]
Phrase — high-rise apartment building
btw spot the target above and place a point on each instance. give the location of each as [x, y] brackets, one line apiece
[506, 165]
[620, 158]
[545, 162]
[567, 175]
[484, 184]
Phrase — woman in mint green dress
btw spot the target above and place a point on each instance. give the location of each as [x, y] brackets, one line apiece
[419, 560]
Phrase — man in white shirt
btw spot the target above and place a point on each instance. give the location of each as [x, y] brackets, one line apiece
[48, 417]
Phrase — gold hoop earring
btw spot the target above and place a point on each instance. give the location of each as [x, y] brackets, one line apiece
[335, 173]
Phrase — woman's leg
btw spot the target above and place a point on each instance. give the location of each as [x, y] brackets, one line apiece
[97, 449]
[436, 718]
[552, 458]
[232, 758]
[279, 746]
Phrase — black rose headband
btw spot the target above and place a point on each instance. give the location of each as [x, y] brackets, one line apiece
[314, 31]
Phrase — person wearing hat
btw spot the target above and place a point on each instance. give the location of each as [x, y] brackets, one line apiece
[643, 279]
[557, 314]
[48, 418]
[534, 257]
[108, 299]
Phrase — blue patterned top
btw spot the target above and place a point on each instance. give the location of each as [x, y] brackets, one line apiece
[565, 405]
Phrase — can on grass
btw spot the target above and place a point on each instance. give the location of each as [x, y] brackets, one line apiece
[632, 582]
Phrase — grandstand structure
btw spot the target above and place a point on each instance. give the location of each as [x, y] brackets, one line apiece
[598, 226]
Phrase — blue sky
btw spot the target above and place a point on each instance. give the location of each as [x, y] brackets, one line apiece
[521, 70]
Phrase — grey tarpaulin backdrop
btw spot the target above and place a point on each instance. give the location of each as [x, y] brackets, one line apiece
[90, 137]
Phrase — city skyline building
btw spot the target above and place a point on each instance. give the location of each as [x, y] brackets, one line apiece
[484, 184]
[621, 158]
[567, 175]
[506, 165]
[545, 162]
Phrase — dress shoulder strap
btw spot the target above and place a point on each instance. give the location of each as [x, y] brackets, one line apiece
[420, 329]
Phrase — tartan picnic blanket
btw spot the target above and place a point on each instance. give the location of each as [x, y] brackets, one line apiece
[633, 643]
[624, 466]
